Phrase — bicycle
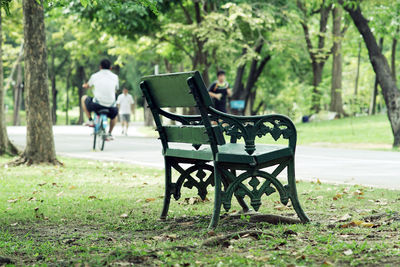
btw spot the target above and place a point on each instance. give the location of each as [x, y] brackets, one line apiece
[100, 129]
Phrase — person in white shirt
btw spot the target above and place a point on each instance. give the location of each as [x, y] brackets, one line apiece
[125, 105]
[105, 84]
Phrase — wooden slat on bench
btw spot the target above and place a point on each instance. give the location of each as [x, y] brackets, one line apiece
[193, 134]
[186, 134]
[170, 90]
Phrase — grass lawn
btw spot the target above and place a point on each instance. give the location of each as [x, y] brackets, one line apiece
[90, 213]
[364, 132]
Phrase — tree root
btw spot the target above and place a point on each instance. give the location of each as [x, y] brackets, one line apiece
[225, 239]
[268, 218]
[12, 150]
[27, 161]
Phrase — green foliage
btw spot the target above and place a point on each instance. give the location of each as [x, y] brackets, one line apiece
[5, 4]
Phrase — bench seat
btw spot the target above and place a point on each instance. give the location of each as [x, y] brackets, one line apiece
[233, 153]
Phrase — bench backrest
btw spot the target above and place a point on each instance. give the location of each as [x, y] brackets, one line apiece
[172, 90]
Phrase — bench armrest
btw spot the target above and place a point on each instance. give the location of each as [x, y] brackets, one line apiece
[250, 127]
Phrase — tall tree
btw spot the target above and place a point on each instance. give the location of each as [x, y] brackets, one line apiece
[390, 91]
[336, 104]
[372, 106]
[40, 141]
[18, 88]
[319, 54]
[6, 147]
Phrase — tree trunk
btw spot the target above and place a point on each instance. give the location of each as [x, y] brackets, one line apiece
[391, 93]
[40, 141]
[317, 68]
[336, 104]
[6, 147]
[53, 91]
[18, 96]
[358, 70]
[372, 108]
[318, 55]
[67, 84]
[81, 78]
[394, 46]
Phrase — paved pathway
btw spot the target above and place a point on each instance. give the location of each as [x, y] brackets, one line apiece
[375, 168]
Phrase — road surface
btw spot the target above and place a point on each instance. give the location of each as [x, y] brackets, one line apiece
[370, 168]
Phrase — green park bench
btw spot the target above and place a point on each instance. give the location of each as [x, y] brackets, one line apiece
[207, 159]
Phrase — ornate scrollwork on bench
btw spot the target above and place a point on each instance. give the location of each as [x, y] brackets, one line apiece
[255, 189]
[202, 178]
[249, 128]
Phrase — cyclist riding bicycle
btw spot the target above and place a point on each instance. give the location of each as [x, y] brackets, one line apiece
[105, 84]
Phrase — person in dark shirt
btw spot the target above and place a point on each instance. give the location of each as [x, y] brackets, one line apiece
[219, 91]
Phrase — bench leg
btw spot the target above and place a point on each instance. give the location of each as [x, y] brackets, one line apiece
[167, 196]
[293, 193]
[217, 198]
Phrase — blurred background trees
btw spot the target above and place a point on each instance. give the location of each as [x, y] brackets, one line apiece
[292, 57]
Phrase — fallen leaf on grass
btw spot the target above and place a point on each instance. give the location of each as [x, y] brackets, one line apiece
[92, 197]
[72, 187]
[60, 194]
[12, 200]
[357, 223]
[150, 200]
[165, 237]
[327, 263]
[348, 252]
[42, 184]
[14, 224]
[344, 218]
[124, 215]
[194, 200]
[337, 196]
[281, 207]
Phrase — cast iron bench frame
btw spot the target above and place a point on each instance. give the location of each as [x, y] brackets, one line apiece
[223, 160]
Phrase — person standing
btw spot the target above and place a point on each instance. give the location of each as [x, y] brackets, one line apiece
[219, 91]
[126, 106]
[104, 84]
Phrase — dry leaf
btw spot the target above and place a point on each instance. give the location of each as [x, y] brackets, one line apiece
[12, 200]
[92, 197]
[327, 263]
[337, 196]
[124, 215]
[60, 194]
[348, 252]
[355, 223]
[42, 184]
[150, 199]
[345, 217]
[72, 187]
[14, 224]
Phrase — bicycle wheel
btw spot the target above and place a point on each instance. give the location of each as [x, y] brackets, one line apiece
[102, 136]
